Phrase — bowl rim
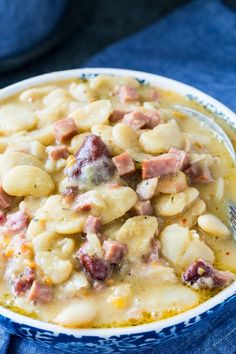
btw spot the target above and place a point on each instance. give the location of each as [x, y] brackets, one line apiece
[154, 80]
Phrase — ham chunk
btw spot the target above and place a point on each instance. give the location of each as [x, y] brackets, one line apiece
[143, 207]
[93, 161]
[23, 282]
[127, 93]
[116, 116]
[136, 120]
[114, 251]
[197, 174]
[40, 293]
[93, 225]
[171, 162]
[5, 199]
[16, 222]
[57, 152]
[202, 275]
[146, 189]
[97, 268]
[124, 164]
[65, 129]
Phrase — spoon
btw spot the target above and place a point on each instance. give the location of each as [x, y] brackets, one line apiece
[221, 135]
[224, 138]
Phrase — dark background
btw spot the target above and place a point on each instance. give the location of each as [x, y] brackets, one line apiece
[87, 27]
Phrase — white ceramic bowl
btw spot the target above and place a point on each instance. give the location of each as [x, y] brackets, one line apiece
[124, 339]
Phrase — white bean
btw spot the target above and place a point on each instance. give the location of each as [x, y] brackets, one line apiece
[28, 180]
[77, 314]
[170, 204]
[212, 225]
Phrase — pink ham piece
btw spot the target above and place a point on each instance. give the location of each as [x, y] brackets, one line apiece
[146, 189]
[23, 282]
[143, 207]
[127, 93]
[164, 164]
[5, 199]
[16, 222]
[93, 225]
[201, 175]
[65, 129]
[57, 152]
[70, 193]
[124, 164]
[136, 120]
[116, 116]
[2, 218]
[202, 275]
[114, 251]
[40, 293]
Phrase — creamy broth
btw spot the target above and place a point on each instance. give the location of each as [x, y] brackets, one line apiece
[92, 234]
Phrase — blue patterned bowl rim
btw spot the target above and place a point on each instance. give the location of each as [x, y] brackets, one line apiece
[190, 93]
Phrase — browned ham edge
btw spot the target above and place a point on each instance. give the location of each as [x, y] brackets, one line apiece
[65, 129]
[201, 175]
[116, 116]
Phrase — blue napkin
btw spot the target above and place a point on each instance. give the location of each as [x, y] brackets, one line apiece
[197, 45]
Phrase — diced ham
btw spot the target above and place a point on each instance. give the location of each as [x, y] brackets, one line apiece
[5, 199]
[114, 251]
[70, 194]
[143, 207]
[146, 189]
[94, 154]
[164, 164]
[181, 156]
[40, 293]
[202, 275]
[2, 218]
[97, 268]
[93, 225]
[116, 116]
[154, 254]
[23, 282]
[65, 129]
[154, 119]
[127, 93]
[57, 152]
[124, 164]
[136, 120]
[154, 95]
[197, 174]
[16, 222]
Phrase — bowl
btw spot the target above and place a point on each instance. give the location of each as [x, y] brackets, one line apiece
[124, 339]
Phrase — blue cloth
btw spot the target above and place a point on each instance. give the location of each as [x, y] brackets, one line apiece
[196, 44]
[22, 30]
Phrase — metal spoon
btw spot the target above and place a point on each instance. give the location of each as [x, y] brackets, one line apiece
[232, 216]
[224, 138]
[221, 135]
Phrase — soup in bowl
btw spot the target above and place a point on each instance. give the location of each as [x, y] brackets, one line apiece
[113, 208]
